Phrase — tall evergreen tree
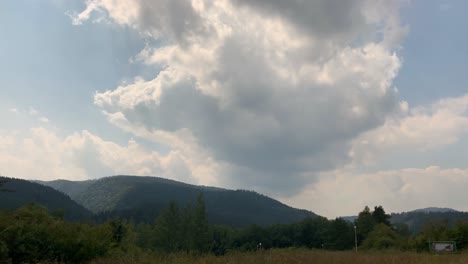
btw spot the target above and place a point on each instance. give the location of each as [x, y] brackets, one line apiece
[340, 235]
[364, 224]
[201, 234]
[380, 217]
[167, 232]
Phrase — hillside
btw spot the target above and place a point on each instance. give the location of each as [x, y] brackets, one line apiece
[141, 199]
[21, 192]
[435, 210]
[71, 188]
[417, 219]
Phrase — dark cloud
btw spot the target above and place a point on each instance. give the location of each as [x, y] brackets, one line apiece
[175, 19]
[321, 18]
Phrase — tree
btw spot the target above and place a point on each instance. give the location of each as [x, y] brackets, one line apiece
[402, 229]
[382, 237]
[380, 217]
[200, 229]
[340, 235]
[364, 224]
[168, 227]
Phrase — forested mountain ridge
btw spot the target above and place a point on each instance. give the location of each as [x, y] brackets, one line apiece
[17, 193]
[142, 198]
[415, 220]
[71, 188]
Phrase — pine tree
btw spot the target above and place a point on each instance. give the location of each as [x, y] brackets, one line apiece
[201, 232]
[380, 217]
[364, 224]
[168, 231]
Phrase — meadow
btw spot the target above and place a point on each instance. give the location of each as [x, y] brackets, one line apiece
[281, 256]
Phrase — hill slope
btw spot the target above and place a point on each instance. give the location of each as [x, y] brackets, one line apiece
[141, 199]
[21, 192]
[417, 219]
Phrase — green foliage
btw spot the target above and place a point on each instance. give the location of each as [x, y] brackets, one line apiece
[31, 235]
[178, 230]
[416, 220]
[364, 224]
[367, 221]
[402, 229]
[382, 237]
[459, 233]
[221, 239]
[169, 230]
[380, 217]
[312, 232]
[3, 252]
[340, 235]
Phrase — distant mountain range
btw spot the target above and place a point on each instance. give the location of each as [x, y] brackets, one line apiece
[142, 198]
[417, 219]
[434, 210]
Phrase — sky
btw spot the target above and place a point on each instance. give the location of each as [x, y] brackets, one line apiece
[325, 105]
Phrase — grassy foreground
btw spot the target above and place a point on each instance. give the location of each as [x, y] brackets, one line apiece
[294, 256]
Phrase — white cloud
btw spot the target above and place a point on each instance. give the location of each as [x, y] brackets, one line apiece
[43, 119]
[32, 111]
[261, 87]
[341, 193]
[420, 129]
[41, 153]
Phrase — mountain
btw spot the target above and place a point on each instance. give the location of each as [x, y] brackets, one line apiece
[349, 218]
[417, 219]
[435, 210]
[17, 193]
[142, 198]
[71, 188]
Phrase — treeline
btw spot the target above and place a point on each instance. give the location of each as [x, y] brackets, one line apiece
[32, 235]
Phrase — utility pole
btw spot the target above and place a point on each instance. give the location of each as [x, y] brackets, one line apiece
[355, 237]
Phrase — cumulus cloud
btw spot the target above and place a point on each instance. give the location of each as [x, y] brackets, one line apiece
[420, 129]
[340, 193]
[41, 153]
[266, 91]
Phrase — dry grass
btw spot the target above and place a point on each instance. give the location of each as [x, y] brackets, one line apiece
[294, 256]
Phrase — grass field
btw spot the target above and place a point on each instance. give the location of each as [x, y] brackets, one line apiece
[295, 256]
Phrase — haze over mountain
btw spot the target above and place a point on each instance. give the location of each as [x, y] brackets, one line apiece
[142, 198]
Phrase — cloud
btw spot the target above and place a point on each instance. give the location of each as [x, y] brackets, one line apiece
[341, 193]
[32, 111]
[267, 92]
[43, 119]
[420, 129]
[42, 154]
